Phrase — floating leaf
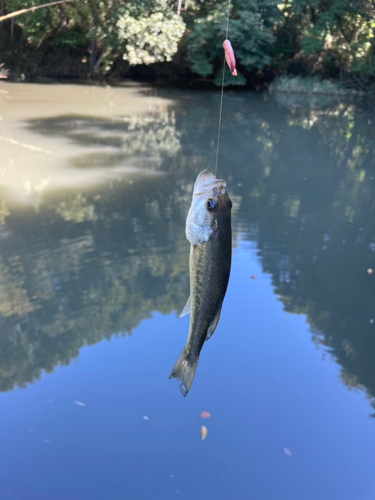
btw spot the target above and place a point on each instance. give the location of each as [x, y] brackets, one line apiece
[203, 432]
[205, 414]
[253, 277]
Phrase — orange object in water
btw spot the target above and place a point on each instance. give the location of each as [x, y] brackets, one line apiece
[205, 414]
[229, 57]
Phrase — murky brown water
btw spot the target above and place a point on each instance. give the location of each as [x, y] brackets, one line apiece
[34, 163]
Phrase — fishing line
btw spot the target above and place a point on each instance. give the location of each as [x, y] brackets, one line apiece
[221, 96]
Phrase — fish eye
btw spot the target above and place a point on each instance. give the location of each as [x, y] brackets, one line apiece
[210, 204]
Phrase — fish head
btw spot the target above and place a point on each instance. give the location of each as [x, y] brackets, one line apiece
[210, 206]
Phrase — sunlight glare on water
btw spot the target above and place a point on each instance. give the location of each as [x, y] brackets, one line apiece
[77, 122]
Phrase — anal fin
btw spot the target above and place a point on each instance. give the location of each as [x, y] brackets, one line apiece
[186, 309]
[213, 323]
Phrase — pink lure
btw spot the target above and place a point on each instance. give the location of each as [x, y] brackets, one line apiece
[229, 57]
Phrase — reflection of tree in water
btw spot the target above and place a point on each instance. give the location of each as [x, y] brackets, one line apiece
[13, 296]
[75, 208]
[304, 176]
[151, 139]
[312, 208]
[84, 282]
[4, 211]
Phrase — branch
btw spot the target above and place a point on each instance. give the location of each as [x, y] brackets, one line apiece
[31, 9]
[342, 30]
[101, 56]
[360, 83]
[3, 72]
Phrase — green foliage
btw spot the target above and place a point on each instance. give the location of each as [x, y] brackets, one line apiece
[63, 21]
[229, 78]
[141, 33]
[249, 32]
[72, 39]
[334, 37]
[328, 38]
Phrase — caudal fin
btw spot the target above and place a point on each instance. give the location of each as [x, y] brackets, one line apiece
[184, 370]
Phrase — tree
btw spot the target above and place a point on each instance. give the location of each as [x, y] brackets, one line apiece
[336, 37]
[149, 32]
[141, 34]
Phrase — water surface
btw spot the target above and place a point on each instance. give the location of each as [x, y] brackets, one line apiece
[95, 185]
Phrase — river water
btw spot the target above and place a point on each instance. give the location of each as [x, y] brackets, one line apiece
[95, 185]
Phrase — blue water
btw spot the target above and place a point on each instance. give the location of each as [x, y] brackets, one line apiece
[288, 375]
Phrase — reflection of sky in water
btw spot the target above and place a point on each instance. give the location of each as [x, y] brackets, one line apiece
[108, 260]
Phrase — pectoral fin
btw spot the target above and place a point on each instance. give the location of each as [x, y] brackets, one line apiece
[186, 309]
[213, 323]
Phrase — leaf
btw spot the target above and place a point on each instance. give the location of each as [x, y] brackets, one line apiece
[239, 79]
[203, 432]
[205, 414]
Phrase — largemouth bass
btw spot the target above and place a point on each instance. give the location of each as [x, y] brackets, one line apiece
[208, 228]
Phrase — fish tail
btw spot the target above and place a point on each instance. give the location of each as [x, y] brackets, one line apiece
[184, 370]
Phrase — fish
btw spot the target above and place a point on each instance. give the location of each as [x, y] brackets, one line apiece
[229, 57]
[208, 229]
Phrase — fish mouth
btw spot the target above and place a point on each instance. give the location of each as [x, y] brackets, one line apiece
[207, 181]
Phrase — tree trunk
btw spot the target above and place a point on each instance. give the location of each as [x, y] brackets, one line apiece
[93, 43]
[1, 12]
